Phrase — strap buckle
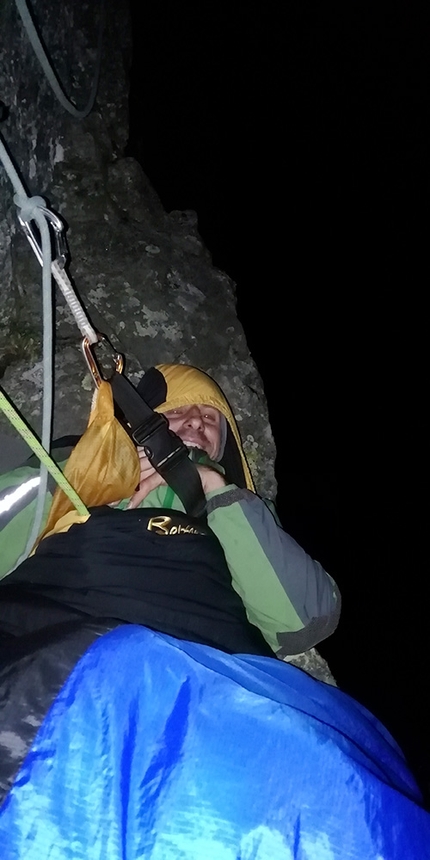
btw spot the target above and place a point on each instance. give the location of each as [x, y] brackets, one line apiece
[163, 448]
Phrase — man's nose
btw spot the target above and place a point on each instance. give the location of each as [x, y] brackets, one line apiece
[194, 417]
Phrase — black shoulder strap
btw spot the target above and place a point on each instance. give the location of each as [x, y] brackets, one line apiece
[164, 449]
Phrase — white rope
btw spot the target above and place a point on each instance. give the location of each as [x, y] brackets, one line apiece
[34, 209]
[79, 315]
[48, 69]
[10, 170]
[28, 206]
[47, 403]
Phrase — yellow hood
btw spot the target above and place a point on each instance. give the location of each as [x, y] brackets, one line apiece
[187, 385]
[104, 466]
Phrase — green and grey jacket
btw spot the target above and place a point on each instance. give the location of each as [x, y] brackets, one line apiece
[286, 594]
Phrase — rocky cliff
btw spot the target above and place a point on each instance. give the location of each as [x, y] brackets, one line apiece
[144, 275]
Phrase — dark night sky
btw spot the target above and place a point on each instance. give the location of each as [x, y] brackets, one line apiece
[298, 136]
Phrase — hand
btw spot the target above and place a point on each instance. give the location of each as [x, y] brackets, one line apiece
[211, 479]
[150, 479]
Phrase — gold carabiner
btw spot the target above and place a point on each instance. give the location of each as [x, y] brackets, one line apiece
[93, 366]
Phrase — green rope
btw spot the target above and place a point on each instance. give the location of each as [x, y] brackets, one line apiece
[27, 434]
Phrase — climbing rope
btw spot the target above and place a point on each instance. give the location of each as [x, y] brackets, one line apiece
[31, 210]
[15, 419]
[34, 209]
[47, 66]
[79, 315]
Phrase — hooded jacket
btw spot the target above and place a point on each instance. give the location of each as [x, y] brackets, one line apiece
[286, 595]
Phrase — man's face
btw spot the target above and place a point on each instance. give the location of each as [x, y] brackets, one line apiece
[198, 426]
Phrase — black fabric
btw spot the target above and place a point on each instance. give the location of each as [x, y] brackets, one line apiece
[231, 461]
[153, 387]
[33, 670]
[131, 403]
[114, 566]
[23, 611]
[164, 449]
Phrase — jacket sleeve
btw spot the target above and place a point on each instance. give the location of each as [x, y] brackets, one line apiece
[290, 597]
[18, 494]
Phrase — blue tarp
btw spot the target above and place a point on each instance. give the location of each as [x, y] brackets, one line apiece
[159, 749]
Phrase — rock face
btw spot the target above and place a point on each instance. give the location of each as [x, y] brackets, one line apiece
[144, 275]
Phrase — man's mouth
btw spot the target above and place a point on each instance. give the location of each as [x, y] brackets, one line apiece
[201, 444]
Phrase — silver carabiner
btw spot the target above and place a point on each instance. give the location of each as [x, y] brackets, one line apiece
[60, 244]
